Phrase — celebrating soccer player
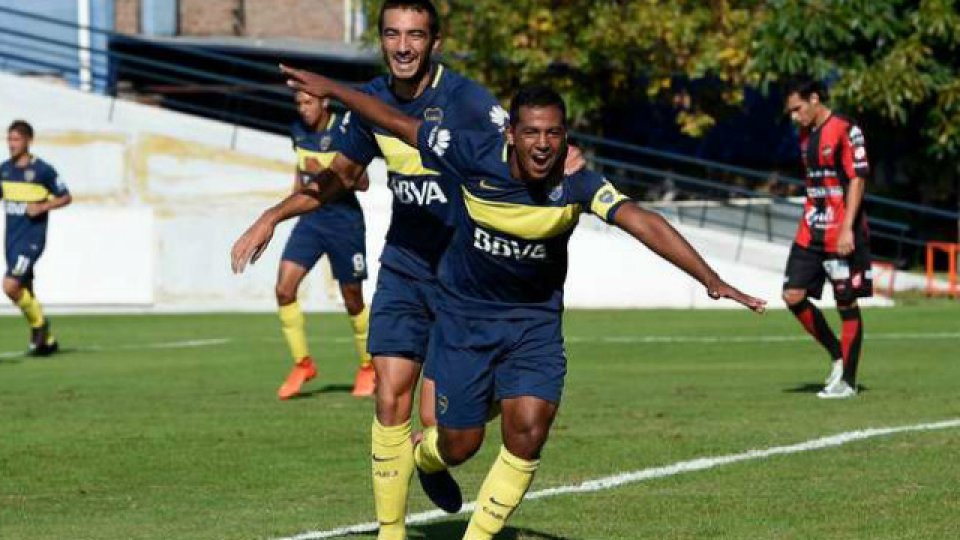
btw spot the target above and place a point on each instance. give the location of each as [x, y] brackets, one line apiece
[30, 189]
[498, 335]
[832, 240]
[336, 229]
[403, 310]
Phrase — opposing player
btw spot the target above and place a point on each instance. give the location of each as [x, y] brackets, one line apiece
[30, 189]
[833, 240]
[336, 230]
[498, 336]
[403, 310]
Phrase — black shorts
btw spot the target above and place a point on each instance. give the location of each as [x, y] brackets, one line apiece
[851, 276]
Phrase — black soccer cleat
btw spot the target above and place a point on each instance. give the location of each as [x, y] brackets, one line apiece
[442, 490]
[41, 342]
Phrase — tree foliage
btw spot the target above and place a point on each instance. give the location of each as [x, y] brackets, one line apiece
[896, 59]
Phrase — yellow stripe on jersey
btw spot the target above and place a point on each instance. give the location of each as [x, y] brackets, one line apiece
[325, 158]
[521, 220]
[604, 199]
[436, 80]
[24, 192]
[402, 158]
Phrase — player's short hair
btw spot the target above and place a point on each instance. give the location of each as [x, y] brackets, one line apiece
[806, 87]
[21, 127]
[536, 95]
[416, 5]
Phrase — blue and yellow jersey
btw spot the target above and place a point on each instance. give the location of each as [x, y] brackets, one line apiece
[420, 225]
[19, 186]
[344, 212]
[508, 257]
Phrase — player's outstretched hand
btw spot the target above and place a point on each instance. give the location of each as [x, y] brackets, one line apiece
[307, 81]
[249, 247]
[722, 290]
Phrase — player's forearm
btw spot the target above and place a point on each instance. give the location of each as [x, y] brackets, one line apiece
[378, 113]
[294, 205]
[58, 202]
[853, 201]
[657, 234]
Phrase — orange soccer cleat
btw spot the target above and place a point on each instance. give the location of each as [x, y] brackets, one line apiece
[303, 371]
[365, 381]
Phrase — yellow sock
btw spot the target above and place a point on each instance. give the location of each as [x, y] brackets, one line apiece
[361, 324]
[292, 323]
[392, 458]
[427, 453]
[500, 494]
[31, 309]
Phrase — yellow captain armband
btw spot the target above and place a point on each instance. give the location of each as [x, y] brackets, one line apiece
[605, 199]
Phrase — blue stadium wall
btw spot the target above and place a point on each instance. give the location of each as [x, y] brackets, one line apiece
[33, 42]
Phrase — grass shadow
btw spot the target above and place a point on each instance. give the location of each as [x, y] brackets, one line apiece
[454, 529]
[326, 389]
[813, 388]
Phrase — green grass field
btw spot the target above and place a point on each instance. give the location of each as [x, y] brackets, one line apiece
[125, 436]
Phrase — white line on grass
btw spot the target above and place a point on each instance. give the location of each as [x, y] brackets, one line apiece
[897, 336]
[609, 482]
[186, 344]
[799, 336]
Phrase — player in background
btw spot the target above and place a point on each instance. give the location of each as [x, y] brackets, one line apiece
[30, 189]
[403, 310]
[833, 240]
[498, 337]
[337, 230]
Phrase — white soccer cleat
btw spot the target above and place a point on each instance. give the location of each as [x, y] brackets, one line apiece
[838, 390]
[836, 373]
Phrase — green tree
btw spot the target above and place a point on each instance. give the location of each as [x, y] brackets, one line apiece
[603, 52]
[895, 59]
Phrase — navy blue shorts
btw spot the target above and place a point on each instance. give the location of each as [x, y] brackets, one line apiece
[401, 315]
[346, 247]
[476, 362]
[21, 258]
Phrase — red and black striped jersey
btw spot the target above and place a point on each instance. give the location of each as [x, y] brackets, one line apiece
[833, 154]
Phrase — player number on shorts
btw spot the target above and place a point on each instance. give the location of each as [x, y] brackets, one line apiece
[23, 264]
[359, 263]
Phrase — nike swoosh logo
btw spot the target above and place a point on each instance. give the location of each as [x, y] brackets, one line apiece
[498, 503]
[379, 459]
[485, 185]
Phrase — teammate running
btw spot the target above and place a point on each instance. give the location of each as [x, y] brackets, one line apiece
[337, 230]
[30, 189]
[498, 337]
[833, 240]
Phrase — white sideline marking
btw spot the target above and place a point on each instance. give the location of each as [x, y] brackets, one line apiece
[609, 482]
[799, 336]
[187, 344]
[897, 336]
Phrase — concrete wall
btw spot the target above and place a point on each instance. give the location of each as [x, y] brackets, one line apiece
[161, 196]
